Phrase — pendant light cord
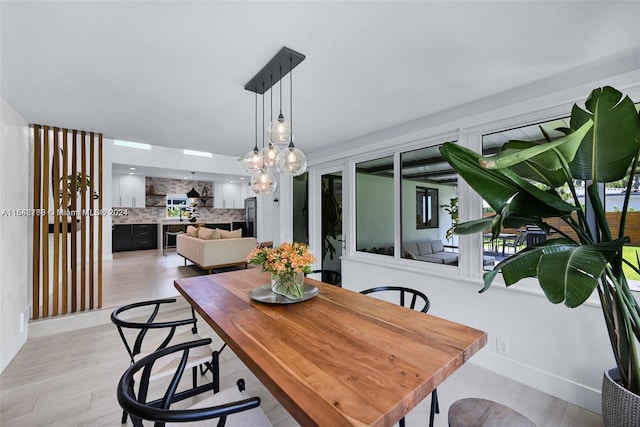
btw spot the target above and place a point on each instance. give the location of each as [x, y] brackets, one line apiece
[262, 114]
[255, 147]
[280, 84]
[291, 99]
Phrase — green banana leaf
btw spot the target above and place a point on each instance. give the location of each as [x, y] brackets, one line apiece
[493, 186]
[474, 226]
[525, 263]
[497, 187]
[608, 148]
[545, 155]
[571, 275]
[531, 169]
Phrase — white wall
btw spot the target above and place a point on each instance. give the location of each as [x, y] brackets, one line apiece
[14, 244]
[268, 217]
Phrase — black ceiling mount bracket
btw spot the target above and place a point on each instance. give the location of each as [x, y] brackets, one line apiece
[285, 60]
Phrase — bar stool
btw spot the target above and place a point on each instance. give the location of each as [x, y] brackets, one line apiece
[172, 230]
[474, 412]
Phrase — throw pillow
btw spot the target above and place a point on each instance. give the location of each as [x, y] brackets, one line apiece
[192, 231]
[409, 255]
[208, 234]
[235, 234]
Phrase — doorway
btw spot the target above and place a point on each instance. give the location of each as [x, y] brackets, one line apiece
[332, 238]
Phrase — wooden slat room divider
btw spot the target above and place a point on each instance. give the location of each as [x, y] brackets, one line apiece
[67, 221]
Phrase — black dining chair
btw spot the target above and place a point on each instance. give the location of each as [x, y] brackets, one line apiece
[414, 300]
[232, 406]
[329, 276]
[143, 333]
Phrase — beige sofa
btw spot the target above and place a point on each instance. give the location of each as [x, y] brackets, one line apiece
[209, 253]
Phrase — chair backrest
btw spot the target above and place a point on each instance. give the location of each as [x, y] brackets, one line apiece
[166, 330]
[140, 407]
[408, 297]
[330, 276]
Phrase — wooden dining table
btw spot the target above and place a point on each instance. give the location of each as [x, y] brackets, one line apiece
[340, 358]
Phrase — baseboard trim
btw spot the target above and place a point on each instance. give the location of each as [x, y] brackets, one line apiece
[87, 319]
[547, 382]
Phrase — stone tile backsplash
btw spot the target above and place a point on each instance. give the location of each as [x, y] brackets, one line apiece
[165, 186]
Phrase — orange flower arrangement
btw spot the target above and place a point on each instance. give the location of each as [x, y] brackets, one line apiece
[287, 258]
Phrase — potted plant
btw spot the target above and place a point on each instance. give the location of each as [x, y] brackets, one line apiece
[524, 183]
[288, 263]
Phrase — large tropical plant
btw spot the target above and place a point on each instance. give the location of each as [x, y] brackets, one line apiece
[523, 184]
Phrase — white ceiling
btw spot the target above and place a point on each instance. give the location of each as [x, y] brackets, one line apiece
[172, 73]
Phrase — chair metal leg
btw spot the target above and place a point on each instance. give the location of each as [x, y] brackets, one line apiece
[402, 422]
[435, 407]
[194, 375]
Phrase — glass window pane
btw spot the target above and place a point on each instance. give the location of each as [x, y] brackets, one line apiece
[429, 207]
[177, 206]
[513, 240]
[374, 206]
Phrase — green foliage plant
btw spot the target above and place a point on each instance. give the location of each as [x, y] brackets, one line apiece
[522, 185]
[452, 209]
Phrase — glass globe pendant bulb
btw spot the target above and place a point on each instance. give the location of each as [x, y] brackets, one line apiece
[252, 161]
[269, 156]
[263, 182]
[280, 131]
[292, 161]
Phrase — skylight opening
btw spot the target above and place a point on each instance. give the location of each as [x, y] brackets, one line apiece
[130, 144]
[197, 153]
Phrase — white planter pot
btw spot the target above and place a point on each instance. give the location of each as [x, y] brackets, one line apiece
[620, 407]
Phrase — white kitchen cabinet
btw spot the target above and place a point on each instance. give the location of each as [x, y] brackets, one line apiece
[228, 195]
[128, 191]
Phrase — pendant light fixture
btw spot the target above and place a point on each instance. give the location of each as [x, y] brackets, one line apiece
[280, 129]
[291, 161]
[193, 194]
[252, 161]
[270, 153]
[263, 181]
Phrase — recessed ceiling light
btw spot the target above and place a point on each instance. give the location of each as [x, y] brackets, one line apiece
[132, 169]
[185, 177]
[130, 173]
[241, 177]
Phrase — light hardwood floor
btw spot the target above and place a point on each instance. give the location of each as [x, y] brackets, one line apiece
[69, 379]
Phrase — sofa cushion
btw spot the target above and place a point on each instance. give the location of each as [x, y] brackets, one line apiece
[410, 247]
[430, 258]
[436, 246]
[235, 234]
[192, 231]
[208, 234]
[424, 248]
[442, 258]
